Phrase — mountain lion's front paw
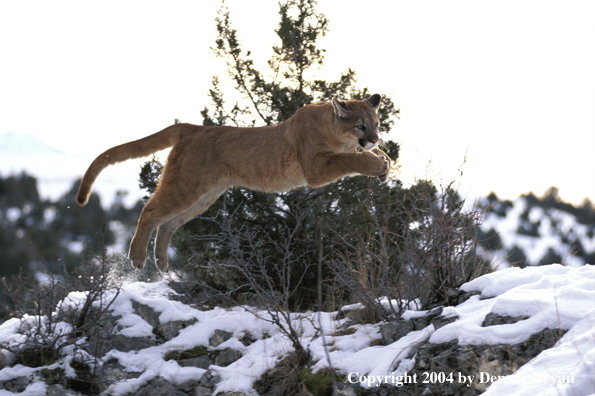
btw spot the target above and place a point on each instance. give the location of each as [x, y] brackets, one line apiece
[382, 167]
[383, 177]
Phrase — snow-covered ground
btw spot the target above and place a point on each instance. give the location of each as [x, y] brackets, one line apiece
[552, 296]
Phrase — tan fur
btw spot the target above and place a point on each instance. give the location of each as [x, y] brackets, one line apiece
[319, 144]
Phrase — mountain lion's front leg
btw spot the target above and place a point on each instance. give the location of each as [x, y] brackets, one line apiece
[326, 168]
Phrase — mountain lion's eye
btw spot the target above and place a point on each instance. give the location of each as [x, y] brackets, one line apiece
[361, 127]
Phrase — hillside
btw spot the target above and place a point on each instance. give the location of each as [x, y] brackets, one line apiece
[150, 343]
[537, 231]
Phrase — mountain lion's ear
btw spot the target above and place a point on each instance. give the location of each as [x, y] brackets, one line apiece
[375, 101]
[340, 109]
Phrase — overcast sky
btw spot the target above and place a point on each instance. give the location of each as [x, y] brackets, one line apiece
[508, 85]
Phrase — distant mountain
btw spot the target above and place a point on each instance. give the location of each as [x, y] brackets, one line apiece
[536, 231]
[17, 144]
[56, 170]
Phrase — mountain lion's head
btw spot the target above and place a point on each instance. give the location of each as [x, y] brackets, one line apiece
[361, 119]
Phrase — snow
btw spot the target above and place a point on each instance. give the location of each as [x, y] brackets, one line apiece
[34, 389]
[553, 225]
[545, 375]
[552, 296]
[358, 357]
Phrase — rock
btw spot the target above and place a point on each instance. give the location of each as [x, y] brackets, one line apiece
[59, 390]
[147, 313]
[188, 386]
[16, 385]
[201, 362]
[424, 321]
[120, 343]
[431, 355]
[104, 340]
[527, 350]
[159, 387]
[493, 319]
[166, 331]
[434, 313]
[441, 321]
[464, 296]
[393, 331]
[227, 357]
[6, 359]
[170, 330]
[112, 372]
[453, 293]
[202, 391]
[340, 389]
[208, 380]
[219, 337]
[247, 338]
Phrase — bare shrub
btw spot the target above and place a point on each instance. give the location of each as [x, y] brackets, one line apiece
[446, 256]
[425, 259]
[273, 284]
[56, 313]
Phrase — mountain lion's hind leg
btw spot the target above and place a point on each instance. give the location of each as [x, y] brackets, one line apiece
[140, 240]
[167, 229]
[161, 207]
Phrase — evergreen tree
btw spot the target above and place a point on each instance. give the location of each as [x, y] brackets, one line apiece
[19, 208]
[39, 234]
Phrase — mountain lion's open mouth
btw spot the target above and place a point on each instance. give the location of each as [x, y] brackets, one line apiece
[367, 144]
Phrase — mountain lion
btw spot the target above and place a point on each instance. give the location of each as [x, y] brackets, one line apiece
[319, 144]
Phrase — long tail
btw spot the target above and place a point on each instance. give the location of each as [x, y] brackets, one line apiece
[136, 149]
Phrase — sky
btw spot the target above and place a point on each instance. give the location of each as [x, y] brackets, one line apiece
[502, 91]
